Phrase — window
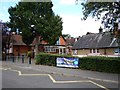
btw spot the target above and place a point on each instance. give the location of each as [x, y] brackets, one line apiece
[75, 52]
[117, 50]
[97, 50]
[90, 50]
[50, 49]
[93, 50]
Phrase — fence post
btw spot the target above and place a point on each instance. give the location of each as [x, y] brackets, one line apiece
[13, 59]
[22, 58]
[29, 60]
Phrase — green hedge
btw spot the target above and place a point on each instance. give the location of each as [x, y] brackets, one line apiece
[48, 59]
[102, 64]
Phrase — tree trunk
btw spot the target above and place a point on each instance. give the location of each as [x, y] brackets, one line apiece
[36, 45]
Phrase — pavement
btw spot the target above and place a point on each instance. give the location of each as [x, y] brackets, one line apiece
[86, 74]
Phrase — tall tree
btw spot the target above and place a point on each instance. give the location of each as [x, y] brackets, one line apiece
[35, 19]
[109, 12]
[66, 35]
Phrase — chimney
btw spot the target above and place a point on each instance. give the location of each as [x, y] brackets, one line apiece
[100, 30]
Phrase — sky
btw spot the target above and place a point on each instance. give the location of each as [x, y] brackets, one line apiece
[70, 12]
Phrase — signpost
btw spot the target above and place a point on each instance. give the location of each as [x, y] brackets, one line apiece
[67, 62]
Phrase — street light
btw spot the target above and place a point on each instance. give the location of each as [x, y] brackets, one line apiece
[33, 30]
[35, 34]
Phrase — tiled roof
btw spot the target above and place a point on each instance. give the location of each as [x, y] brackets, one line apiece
[17, 40]
[70, 41]
[96, 40]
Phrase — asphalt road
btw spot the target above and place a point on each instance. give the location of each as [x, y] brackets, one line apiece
[26, 77]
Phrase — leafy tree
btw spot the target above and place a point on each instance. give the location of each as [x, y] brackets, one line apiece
[5, 35]
[35, 19]
[109, 12]
[53, 29]
[66, 35]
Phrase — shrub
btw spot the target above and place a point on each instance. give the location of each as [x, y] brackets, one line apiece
[96, 63]
[29, 54]
[48, 59]
[102, 64]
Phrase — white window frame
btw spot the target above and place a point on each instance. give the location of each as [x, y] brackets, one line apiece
[50, 49]
[96, 51]
[75, 52]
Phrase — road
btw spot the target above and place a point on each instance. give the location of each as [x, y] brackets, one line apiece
[14, 76]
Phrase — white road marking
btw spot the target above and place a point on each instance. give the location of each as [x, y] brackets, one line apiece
[99, 85]
[87, 81]
[4, 68]
[111, 81]
[19, 72]
[104, 80]
[54, 81]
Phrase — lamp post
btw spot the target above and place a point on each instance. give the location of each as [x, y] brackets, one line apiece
[35, 33]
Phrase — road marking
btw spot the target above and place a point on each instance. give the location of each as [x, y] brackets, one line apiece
[99, 85]
[104, 80]
[54, 81]
[4, 68]
[110, 81]
[73, 81]
[19, 72]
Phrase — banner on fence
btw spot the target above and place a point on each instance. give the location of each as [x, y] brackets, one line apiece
[67, 62]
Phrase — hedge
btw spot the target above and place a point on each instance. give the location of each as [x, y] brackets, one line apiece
[95, 63]
[102, 64]
[48, 59]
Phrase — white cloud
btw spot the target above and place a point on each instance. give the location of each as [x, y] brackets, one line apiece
[73, 25]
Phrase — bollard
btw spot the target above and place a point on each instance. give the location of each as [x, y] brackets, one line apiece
[29, 60]
[13, 59]
[22, 58]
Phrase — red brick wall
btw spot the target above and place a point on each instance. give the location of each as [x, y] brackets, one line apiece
[62, 41]
[20, 50]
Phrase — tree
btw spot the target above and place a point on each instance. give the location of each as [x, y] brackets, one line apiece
[66, 35]
[5, 39]
[108, 11]
[35, 19]
[5, 35]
